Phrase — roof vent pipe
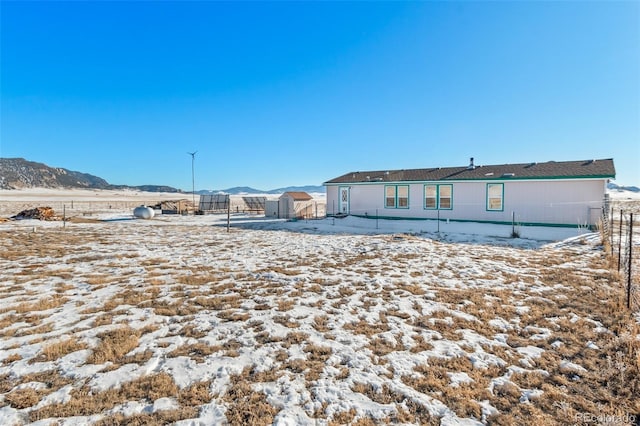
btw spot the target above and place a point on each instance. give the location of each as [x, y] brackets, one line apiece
[471, 165]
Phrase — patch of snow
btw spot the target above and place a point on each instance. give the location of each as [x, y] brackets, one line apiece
[591, 345]
[459, 378]
[568, 366]
[165, 404]
[529, 394]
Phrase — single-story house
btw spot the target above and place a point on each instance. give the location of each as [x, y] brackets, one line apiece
[555, 193]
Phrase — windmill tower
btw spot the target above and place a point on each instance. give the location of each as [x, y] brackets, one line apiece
[193, 178]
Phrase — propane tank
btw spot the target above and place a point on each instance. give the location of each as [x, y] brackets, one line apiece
[143, 212]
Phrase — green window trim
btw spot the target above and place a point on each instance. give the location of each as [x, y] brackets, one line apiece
[436, 197]
[495, 199]
[396, 196]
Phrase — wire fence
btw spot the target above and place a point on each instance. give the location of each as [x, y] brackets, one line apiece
[569, 215]
[620, 228]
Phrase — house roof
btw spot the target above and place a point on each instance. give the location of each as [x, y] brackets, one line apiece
[299, 196]
[549, 170]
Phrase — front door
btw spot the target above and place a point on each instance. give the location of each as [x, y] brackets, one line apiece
[343, 200]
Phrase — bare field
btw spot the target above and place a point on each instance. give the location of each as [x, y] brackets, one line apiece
[79, 202]
[149, 322]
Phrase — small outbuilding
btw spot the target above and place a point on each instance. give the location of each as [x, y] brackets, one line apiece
[297, 205]
[174, 207]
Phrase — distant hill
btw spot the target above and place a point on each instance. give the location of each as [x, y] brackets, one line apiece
[614, 187]
[238, 190]
[18, 173]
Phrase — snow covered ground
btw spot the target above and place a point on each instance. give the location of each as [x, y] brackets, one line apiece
[117, 320]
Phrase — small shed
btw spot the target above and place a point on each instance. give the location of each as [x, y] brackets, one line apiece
[272, 208]
[174, 206]
[294, 204]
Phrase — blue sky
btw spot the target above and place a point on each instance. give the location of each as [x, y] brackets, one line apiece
[295, 93]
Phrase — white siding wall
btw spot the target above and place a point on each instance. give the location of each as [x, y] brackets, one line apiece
[537, 201]
[286, 207]
[271, 208]
[332, 199]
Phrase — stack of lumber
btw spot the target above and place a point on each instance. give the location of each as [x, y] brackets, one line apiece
[40, 213]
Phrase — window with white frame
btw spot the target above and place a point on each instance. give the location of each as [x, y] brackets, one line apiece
[431, 196]
[396, 196]
[403, 196]
[445, 193]
[438, 197]
[390, 197]
[495, 196]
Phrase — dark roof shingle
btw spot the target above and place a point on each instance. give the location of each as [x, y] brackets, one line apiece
[549, 170]
[299, 195]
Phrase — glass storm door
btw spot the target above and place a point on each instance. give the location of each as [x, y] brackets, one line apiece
[343, 200]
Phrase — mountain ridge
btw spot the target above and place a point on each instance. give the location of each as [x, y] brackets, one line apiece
[615, 187]
[238, 190]
[19, 173]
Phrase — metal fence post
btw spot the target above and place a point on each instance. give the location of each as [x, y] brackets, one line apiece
[619, 240]
[611, 230]
[228, 213]
[629, 264]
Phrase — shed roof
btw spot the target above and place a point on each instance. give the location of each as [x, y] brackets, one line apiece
[549, 170]
[298, 195]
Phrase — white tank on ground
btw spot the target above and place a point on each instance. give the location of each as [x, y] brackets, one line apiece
[143, 212]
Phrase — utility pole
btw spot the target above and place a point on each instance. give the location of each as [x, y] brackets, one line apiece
[193, 179]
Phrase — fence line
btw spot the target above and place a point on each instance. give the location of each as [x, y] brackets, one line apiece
[618, 230]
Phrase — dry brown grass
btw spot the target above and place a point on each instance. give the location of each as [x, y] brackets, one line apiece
[198, 280]
[195, 394]
[286, 320]
[368, 329]
[317, 357]
[219, 303]
[114, 345]
[295, 338]
[59, 349]
[45, 304]
[84, 402]
[382, 347]
[246, 406]
[12, 358]
[286, 304]
[197, 351]
[35, 331]
[23, 398]
[159, 418]
[28, 397]
[191, 330]
[233, 315]
[512, 278]
[343, 417]
[380, 394]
